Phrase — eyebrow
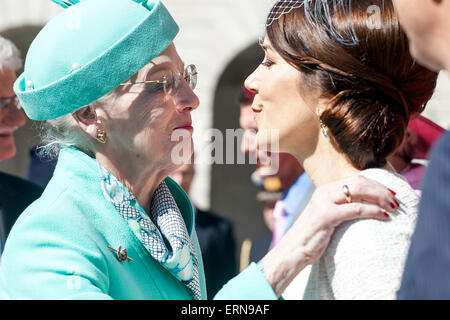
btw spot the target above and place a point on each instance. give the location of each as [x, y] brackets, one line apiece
[156, 68]
[266, 48]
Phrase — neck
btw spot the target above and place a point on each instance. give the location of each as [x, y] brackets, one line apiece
[325, 164]
[141, 179]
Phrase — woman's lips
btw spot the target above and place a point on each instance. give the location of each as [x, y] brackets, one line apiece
[257, 108]
[6, 133]
[256, 111]
[187, 126]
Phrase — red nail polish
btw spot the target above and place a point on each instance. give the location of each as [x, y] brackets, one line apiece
[396, 202]
[393, 192]
[386, 215]
[392, 205]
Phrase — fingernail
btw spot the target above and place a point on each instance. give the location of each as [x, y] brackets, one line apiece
[393, 192]
[393, 205]
[386, 215]
[396, 202]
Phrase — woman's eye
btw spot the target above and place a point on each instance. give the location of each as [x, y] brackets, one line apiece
[267, 63]
[152, 87]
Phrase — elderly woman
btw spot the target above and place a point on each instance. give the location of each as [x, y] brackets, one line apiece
[107, 79]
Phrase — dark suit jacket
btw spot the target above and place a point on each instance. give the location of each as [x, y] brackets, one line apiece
[215, 235]
[427, 269]
[260, 247]
[40, 170]
[15, 195]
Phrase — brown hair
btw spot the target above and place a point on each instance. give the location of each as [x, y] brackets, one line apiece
[373, 85]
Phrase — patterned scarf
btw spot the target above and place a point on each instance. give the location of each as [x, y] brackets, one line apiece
[163, 233]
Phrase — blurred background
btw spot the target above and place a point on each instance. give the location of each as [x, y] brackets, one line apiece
[221, 38]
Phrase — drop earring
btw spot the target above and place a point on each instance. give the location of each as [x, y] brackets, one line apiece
[101, 136]
[324, 130]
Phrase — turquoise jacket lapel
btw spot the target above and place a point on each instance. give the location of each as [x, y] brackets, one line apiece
[60, 246]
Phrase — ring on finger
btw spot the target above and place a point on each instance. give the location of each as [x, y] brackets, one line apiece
[347, 195]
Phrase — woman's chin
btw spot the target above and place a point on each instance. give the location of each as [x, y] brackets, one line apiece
[7, 148]
[264, 146]
[268, 145]
[181, 152]
[268, 138]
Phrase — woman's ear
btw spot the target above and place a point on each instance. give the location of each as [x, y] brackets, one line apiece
[321, 106]
[87, 119]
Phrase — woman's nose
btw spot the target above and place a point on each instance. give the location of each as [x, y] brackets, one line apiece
[187, 99]
[251, 83]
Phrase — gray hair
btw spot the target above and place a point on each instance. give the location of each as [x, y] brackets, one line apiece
[60, 132]
[9, 55]
[65, 131]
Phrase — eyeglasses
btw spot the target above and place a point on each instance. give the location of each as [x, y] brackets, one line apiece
[8, 103]
[170, 83]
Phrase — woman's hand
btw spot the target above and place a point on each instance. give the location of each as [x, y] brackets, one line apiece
[307, 239]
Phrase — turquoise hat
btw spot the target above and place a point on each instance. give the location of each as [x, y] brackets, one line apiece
[88, 50]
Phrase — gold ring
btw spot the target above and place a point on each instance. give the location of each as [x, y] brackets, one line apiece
[347, 195]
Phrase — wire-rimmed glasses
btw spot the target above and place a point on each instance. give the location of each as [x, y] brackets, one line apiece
[8, 103]
[170, 83]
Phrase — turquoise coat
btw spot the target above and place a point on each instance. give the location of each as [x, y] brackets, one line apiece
[58, 248]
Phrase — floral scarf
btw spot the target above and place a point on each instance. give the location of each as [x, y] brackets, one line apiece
[163, 232]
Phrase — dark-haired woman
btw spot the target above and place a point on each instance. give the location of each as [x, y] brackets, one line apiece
[340, 89]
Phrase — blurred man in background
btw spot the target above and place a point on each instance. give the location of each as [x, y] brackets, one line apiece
[15, 193]
[420, 137]
[426, 274]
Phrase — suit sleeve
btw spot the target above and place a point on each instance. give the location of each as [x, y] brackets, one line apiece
[229, 254]
[426, 274]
